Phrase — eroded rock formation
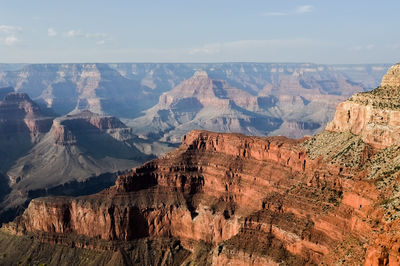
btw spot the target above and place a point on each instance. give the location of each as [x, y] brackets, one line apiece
[22, 123]
[251, 200]
[292, 103]
[374, 115]
[227, 198]
[71, 152]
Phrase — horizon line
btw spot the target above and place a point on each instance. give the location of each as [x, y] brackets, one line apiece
[214, 62]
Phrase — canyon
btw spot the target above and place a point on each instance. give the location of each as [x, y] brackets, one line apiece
[69, 128]
[300, 97]
[42, 153]
[227, 198]
[291, 108]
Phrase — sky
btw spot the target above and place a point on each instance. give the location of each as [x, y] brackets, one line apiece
[317, 31]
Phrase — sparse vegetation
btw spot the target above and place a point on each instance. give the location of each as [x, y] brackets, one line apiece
[347, 149]
[342, 148]
[381, 98]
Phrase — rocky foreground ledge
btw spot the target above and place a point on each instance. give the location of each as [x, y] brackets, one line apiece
[228, 198]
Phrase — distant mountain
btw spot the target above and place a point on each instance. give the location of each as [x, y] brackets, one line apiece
[42, 151]
[126, 89]
[10, 67]
[294, 105]
[22, 123]
[68, 87]
[76, 147]
[201, 102]
[41, 154]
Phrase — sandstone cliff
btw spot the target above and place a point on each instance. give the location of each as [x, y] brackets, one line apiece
[374, 115]
[220, 198]
[250, 200]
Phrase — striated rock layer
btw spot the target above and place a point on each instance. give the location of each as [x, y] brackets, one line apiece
[228, 199]
[22, 123]
[78, 154]
[249, 199]
[374, 115]
[292, 104]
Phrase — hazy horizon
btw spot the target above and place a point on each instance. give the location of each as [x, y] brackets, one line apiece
[227, 62]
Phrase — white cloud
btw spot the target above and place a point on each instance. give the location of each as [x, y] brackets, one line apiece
[87, 35]
[11, 40]
[8, 35]
[95, 35]
[7, 29]
[74, 34]
[304, 9]
[99, 37]
[51, 32]
[299, 10]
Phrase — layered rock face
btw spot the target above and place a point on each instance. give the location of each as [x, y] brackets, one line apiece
[22, 123]
[19, 114]
[83, 144]
[247, 199]
[292, 104]
[233, 199]
[39, 152]
[79, 153]
[294, 93]
[77, 87]
[201, 102]
[374, 115]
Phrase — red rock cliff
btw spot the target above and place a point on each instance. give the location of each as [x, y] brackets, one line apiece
[331, 199]
[224, 190]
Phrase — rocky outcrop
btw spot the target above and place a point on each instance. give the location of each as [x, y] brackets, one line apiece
[39, 152]
[228, 198]
[19, 114]
[373, 115]
[76, 149]
[66, 129]
[392, 77]
[225, 190]
[22, 124]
